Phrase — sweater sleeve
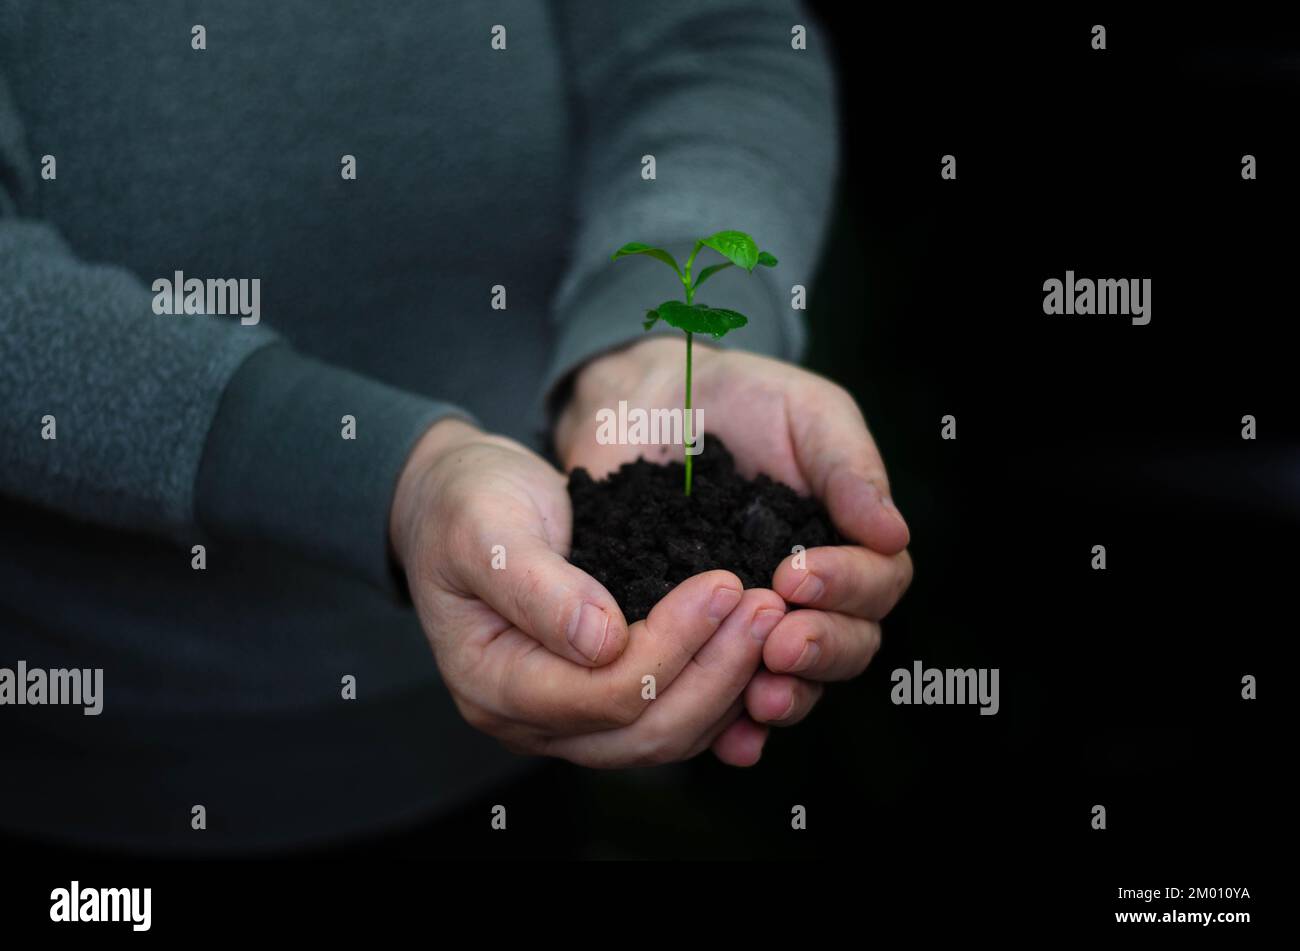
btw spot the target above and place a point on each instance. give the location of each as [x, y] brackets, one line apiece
[111, 412]
[743, 130]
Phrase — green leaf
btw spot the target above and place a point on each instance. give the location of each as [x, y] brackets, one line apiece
[651, 318]
[735, 246]
[659, 254]
[700, 318]
[710, 271]
[766, 259]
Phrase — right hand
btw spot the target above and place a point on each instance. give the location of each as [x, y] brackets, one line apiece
[537, 653]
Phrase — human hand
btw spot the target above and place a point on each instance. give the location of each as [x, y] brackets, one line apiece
[535, 652]
[805, 431]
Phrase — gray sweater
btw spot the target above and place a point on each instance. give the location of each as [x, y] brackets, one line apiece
[127, 155]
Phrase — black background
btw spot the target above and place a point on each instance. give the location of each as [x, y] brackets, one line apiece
[1122, 687]
[1119, 687]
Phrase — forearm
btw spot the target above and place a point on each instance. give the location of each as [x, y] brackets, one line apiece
[677, 82]
[107, 404]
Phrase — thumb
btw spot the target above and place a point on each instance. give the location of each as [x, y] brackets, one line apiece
[840, 460]
[560, 606]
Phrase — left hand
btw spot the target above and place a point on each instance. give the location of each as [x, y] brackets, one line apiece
[800, 429]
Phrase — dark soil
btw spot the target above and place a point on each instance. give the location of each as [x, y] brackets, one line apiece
[638, 535]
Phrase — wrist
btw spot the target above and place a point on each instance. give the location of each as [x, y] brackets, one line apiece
[619, 374]
[439, 440]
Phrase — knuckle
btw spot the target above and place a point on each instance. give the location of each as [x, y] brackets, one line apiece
[529, 696]
[840, 394]
[621, 704]
[841, 397]
[811, 698]
[478, 717]
[460, 529]
[455, 497]
[556, 715]
[658, 747]
[526, 593]
[864, 641]
[871, 646]
[617, 705]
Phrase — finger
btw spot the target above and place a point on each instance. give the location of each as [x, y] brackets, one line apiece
[821, 645]
[557, 604]
[779, 699]
[741, 744]
[840, 460]
[548, 692]
[845, 578]
[710, 683]
[734, 712]
[681, 624]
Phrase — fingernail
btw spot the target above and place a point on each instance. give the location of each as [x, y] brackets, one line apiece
[587, 631]
[888, 505]
[723, 600]
[811, 650]
[763, 623]
[789, 707]
[809, 590]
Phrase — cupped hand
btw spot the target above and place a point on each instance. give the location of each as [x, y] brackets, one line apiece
[534, 651]
[800, 429]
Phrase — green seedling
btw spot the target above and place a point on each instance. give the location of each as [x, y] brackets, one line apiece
[691, 318]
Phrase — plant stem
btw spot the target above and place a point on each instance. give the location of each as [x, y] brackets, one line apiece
[686, 419]
[687, 428]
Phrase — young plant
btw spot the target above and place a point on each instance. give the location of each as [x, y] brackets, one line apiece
[739, 249]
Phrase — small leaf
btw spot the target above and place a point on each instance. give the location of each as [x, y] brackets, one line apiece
[651, 318]
[735, 246]
[659, 254]
[766, 259]
[710, 271]
[700, 318]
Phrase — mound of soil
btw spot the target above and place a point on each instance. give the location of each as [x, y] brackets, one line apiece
[638, 535]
